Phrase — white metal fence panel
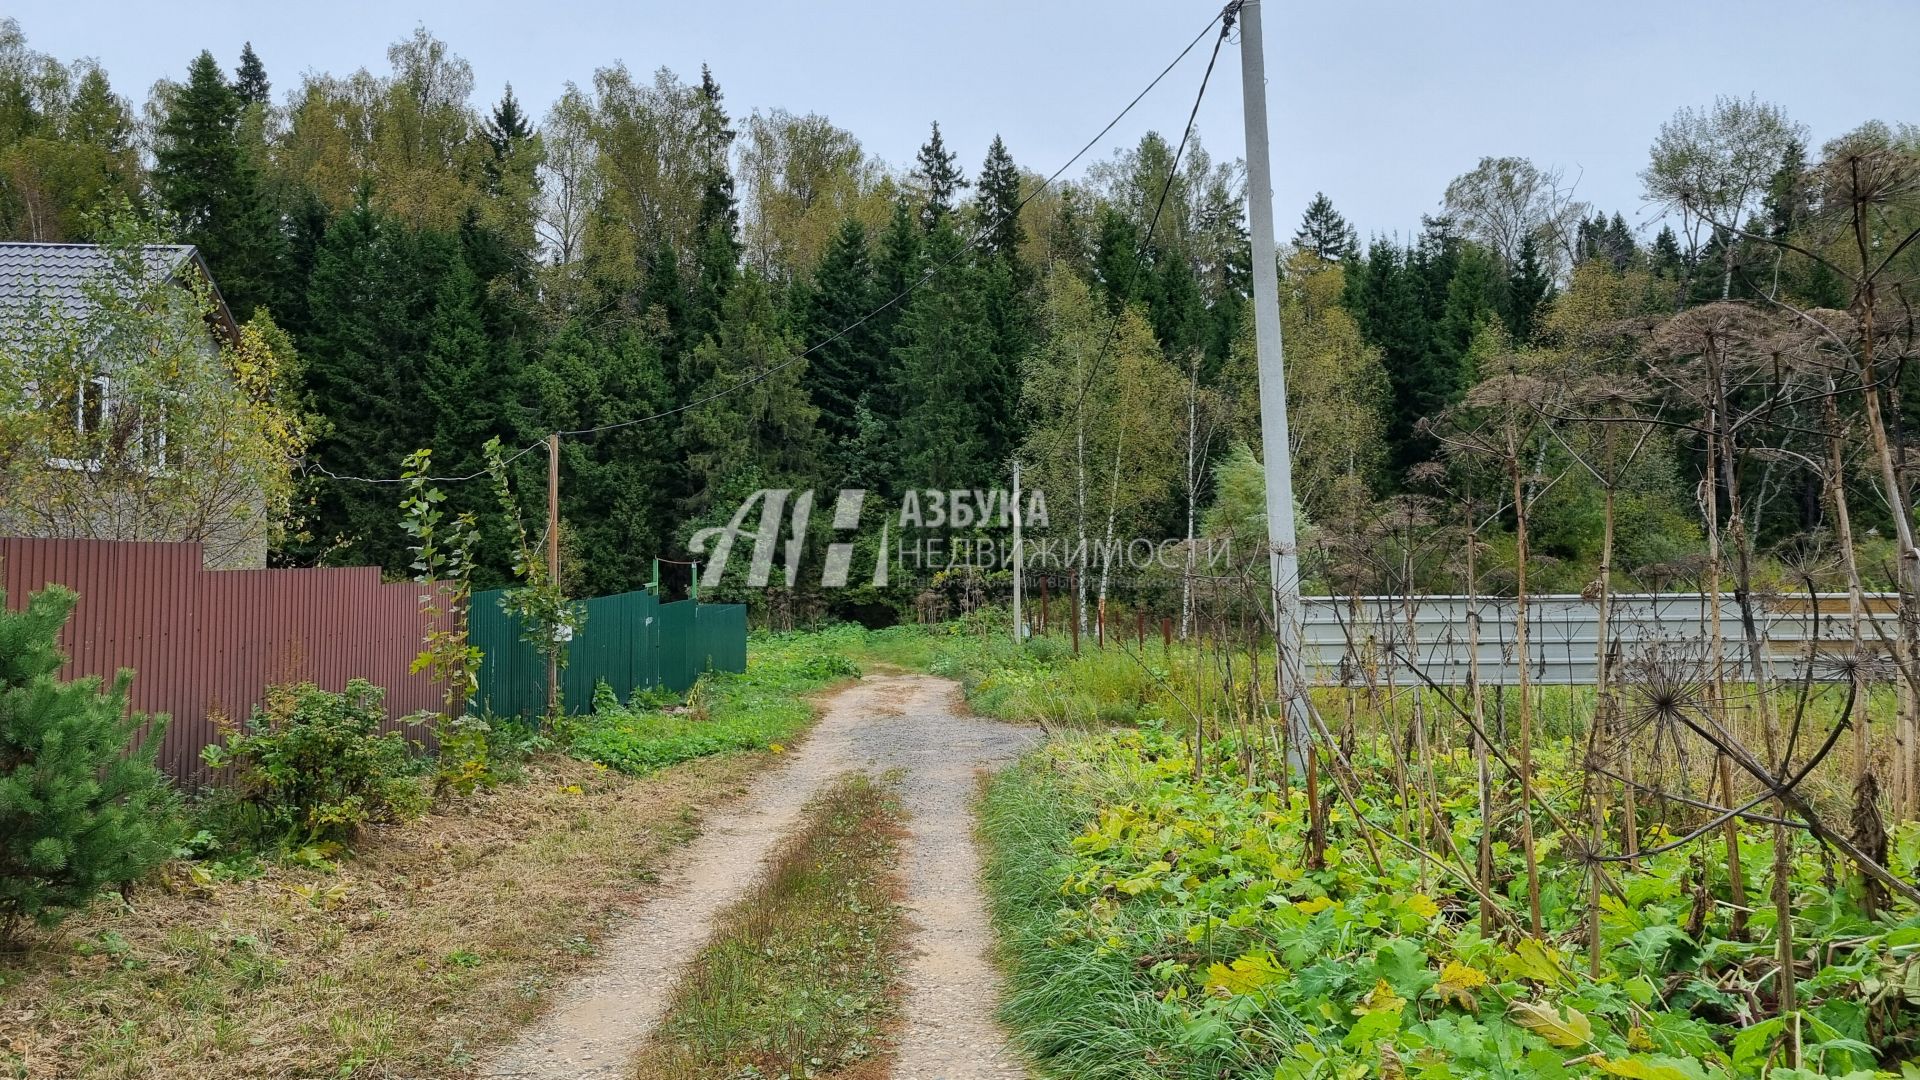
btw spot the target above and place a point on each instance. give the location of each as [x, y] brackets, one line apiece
[1343, 639]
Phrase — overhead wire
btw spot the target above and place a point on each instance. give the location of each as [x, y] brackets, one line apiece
[931, 272]
[509, 459]
[1166, 188]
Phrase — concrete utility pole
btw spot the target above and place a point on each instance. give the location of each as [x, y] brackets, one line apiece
[1284, 558]
[1019, 559]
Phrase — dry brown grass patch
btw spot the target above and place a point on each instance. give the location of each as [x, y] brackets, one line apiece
[436, 940]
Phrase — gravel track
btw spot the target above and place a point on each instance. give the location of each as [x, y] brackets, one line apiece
[908, 723]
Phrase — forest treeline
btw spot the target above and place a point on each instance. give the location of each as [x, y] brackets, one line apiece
[639, 268]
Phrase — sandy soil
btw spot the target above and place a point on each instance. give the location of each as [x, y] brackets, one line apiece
[907, 723]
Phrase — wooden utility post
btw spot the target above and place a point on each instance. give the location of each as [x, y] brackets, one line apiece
[553, 562]
[1019, 561]
[1074, 611]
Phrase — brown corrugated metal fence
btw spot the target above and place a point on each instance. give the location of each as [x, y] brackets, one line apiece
[205, 644]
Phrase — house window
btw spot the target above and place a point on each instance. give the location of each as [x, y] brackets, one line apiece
[88, 405]
[94, 409]
[153, 431]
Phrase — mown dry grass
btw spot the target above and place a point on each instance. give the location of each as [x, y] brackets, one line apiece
[437, 939]
[799, 977]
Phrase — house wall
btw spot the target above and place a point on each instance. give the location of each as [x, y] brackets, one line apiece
[226, 544]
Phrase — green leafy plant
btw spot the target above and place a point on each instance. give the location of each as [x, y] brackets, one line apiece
[82, 807]
[443, 563]
[1121, 875]
[314, 764]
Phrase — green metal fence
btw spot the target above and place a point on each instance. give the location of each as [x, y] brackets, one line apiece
[632, 640]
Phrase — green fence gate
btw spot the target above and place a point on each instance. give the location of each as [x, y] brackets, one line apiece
[632, 641]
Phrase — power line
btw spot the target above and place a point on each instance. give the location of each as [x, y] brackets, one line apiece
[934, 271]
[509, 459]
[1173, 172]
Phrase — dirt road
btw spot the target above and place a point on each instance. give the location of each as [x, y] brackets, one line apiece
[908, 723]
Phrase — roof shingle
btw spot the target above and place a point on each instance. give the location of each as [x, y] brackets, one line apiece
[54, 275]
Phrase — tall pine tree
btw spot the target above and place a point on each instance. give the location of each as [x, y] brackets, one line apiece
[947, 374]
[936, 172]
[1384, 293]
[210, 184]
[999, 204]
[1528, 287]
[844, 366]
[755, 428]
[250, 78]
[1324, 232]
[717, 257]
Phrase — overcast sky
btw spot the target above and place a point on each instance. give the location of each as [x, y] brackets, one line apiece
[1378, 104]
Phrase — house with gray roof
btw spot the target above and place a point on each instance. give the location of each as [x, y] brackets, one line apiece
[51, 289]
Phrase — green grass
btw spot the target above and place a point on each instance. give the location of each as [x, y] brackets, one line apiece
[796, 980]
[909, 646]
[763, 707]
[1071, 1004]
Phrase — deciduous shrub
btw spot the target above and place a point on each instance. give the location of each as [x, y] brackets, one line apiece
[313, 764]
[81, 807]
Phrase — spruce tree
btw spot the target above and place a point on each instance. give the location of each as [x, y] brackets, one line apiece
[946, 373]
[250, 78]
[1668, 261]
[1620, 245]
[209, 183]
[1789, 198]
[1384, 295]
[1324, 231]
[370, 307]
[842, 370]
[1117, 262]
[1605, 239]
[1476, 296]
[1004, 292]
[619, 494]
[755, 427]
[97, 118]
[1006, 283]
[1789, 205]
[937, 173]
[717, 239]
[82, 807]
[664, 303]
[1000, 203]
[1528, 287]
[506, 129]
[898, 264]
[1433, 261]
[1175, 307]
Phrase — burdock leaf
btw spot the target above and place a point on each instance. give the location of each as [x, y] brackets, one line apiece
[1563, 1029]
